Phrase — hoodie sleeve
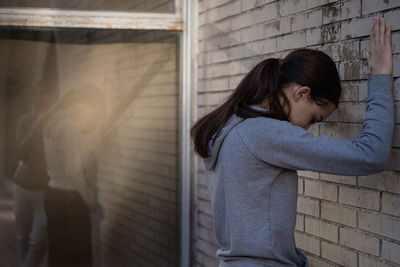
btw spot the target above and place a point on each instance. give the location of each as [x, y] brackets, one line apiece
[288, 146]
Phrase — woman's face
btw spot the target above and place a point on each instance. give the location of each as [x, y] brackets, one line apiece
[303, 110]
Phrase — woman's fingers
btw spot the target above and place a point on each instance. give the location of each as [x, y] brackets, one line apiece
[372, 33]
[376, 28]
[382, 25]
[388, 34]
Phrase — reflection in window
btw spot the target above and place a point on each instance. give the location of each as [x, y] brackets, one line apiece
[159, 6]
[118, 93]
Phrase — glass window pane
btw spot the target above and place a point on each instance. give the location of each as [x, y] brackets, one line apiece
[94, 114]
[159, 6]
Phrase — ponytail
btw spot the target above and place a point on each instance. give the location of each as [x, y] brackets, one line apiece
[261, 81]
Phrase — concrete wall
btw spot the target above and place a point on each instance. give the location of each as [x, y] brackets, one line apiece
[342, 220]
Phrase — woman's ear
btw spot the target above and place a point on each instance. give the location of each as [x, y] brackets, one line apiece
[301, 93]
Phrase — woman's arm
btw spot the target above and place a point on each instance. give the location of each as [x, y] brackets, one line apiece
[73, 161]
[282, 144]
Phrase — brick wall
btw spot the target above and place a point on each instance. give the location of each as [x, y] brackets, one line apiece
[342, 220]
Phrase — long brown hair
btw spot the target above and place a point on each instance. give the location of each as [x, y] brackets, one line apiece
[307, 67]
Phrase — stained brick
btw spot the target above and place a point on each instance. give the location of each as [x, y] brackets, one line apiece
[316, 3]
[277, 27]
[330, 13]
[350, 9]
[330, 32]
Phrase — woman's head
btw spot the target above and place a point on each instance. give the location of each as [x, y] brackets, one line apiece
[311, 84]
[302, 110]
[84, 105]
[304, 87]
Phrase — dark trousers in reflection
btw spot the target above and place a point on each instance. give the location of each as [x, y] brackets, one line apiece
[68, 228]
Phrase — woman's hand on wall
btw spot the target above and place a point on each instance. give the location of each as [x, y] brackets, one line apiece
[380, 59]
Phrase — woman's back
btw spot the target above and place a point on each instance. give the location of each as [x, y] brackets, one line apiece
[254, 206]
[252, 176]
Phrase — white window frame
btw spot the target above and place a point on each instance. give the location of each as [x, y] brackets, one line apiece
[177, 21]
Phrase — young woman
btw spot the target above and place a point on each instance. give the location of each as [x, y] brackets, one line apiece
[69, 135]
[253, 144]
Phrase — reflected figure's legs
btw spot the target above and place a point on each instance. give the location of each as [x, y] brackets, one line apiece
[31, 225]
[68, 228]
[38, 235]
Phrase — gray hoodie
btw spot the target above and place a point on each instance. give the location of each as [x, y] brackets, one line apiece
[252, 177]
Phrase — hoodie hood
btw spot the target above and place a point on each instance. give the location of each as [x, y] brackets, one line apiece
[215, 146]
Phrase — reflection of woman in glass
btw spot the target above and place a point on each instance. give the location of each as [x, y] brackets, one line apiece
[30, 182]
[69, 136]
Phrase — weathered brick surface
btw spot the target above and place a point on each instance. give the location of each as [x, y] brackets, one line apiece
[321, 190]
[391, 204]
[368, 199]
[341, 220]
[339, 213]
[308, 206]
[359, 241]
[307, 243]
[322, 229]
[390, 251]
[367, 261]
[338, 254]
[380, 224]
